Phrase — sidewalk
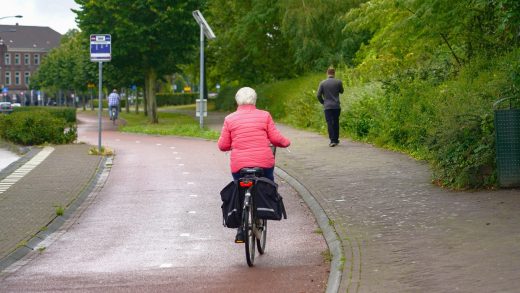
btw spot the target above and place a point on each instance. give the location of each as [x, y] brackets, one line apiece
[399, 232]
[31, 203]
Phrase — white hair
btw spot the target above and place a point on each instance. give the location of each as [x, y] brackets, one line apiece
[246, 96]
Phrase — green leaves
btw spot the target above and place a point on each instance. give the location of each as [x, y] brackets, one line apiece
[150, 38]
[269, 40]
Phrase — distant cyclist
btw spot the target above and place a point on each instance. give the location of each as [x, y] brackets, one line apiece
[248, 133]
[113, 105]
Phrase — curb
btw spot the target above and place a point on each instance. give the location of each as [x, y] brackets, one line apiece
[73, 211]
[26, 156]
[332, 239]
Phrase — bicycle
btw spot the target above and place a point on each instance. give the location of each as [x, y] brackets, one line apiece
[255, 229]
[113, 114]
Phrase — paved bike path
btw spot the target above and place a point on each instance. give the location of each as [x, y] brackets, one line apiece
[155, 226]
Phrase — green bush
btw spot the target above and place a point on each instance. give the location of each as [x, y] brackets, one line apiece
[35, 128]
[226, 99]
[446, 120]
[175, 99]
[68, 114]
[361, 118]
[304, 111]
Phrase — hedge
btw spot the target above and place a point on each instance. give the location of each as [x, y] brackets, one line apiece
[176, 99]
[35, 127]
[68, 114]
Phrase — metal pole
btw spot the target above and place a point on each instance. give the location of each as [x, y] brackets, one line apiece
[201, 82]
[100, 97]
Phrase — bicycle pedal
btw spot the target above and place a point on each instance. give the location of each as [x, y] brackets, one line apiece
[239, 241]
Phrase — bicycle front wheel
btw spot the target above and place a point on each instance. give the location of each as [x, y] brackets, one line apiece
[250, 236]
[262, 228]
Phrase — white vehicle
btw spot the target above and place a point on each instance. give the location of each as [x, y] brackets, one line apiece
[6, 107]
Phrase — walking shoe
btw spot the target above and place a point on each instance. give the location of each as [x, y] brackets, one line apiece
[240, 238]
[333, 144]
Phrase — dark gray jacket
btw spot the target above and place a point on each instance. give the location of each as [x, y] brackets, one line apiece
[328, 93]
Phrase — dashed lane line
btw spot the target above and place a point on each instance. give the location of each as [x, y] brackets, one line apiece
[19, 173]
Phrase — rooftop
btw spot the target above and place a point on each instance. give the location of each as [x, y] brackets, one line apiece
[37, 38]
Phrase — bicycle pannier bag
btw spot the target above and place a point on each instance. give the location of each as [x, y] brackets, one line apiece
[268, 202]
[231, 209]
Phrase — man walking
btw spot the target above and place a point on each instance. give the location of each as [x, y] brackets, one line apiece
[328, 95]
[113, 106]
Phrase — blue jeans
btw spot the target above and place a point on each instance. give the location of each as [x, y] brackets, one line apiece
[116, 111]
[268, 173]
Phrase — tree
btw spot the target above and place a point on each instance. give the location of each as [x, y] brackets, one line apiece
[408, 33]
[314, 29]
[152, 37]
[66, 67]
[250, 46]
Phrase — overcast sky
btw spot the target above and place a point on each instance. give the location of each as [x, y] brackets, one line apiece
[55, 14]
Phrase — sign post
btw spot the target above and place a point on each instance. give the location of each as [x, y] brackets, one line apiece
[100, 51]
[206, 30]
[5, 90]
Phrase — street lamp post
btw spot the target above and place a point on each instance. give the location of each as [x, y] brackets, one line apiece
[12, 16]
[206, 30]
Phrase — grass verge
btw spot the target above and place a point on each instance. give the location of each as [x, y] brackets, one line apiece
[169, 124]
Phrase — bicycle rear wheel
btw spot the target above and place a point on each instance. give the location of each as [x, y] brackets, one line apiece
[250, 236]
[260, 243]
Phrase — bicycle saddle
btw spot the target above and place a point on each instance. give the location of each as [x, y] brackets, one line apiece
[252, 171]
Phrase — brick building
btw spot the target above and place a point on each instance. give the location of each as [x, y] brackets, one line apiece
[22, 49]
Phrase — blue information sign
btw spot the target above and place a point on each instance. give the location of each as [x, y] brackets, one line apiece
[5, 90]
[100, 48]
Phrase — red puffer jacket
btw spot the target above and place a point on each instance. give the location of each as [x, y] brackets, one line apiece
[248, 132]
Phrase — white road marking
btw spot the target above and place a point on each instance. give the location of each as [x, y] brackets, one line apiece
[192, 212]
[193, 195]
[175, 153]
[25, 169]
[172, 148]
[191, 183]
[177, 158]
[137, 141]
[166, 265]
[185, 173]
[180, 165]
[158, 144]
[185, 235]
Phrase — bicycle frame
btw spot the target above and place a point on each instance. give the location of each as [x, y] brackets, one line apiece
[249, 203]
[254, 228]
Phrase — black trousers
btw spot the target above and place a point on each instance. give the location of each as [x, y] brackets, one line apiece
[332, 118]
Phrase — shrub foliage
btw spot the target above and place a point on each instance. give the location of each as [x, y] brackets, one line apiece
[35, 126]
